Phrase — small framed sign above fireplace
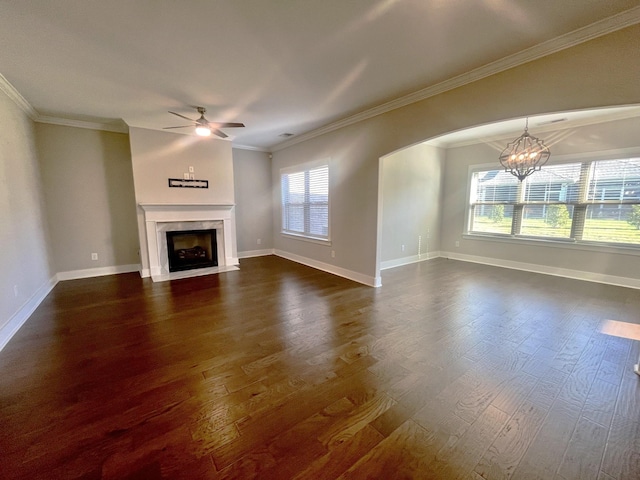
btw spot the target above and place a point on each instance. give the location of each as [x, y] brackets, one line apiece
[188, 183]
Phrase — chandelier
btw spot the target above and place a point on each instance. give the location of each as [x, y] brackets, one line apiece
[525, 155]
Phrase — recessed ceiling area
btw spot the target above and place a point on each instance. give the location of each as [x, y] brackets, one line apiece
[292, 67]
[537, 124]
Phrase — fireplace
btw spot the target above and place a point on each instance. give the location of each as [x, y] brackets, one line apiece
[189, 249]
[161, 219]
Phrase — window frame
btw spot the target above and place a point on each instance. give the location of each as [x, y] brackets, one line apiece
[584, 203]
[306, 236]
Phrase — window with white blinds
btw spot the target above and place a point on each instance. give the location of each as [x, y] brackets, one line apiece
[594, 201]
[305, 202]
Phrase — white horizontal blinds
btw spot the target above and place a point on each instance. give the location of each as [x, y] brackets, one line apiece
[615, 181]
[496, 186]
[493, 197]
[305, 202]
[554, 184]
[613, 197]
[293, 202]
[318, 217]
[548, 201]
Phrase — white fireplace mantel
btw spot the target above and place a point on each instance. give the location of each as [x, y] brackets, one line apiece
[158, 215]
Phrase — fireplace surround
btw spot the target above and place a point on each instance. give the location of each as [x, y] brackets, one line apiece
[163, 218]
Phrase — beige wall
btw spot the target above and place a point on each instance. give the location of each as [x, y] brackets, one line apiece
[602, 72]
[88, 186]
[611, 139]
[411, 205]
[24, 256]
[157, 156]
[253, 192]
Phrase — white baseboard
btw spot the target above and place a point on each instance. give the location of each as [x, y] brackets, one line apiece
[398, 262]
[326, 267]
[547, 270]
[256, 253]
[22, 315]
[97, 272]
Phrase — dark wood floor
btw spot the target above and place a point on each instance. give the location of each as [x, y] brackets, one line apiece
[450, 370]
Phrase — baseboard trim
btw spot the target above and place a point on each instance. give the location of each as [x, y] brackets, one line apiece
[547, 270]
[256, 253]
[325, 267]
[97, 272]
[22, 315]
[398, 262]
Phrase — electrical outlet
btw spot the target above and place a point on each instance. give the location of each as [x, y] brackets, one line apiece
[191, 170]
[94, 256]
[259, 241]
[192, 176]
[457, 243]
[15, 291]
[333, 254]
[402, 247]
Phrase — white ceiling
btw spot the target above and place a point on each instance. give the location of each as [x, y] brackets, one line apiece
[278, 66]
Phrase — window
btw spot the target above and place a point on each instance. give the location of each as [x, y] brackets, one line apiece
[305, 202]
[597, 201]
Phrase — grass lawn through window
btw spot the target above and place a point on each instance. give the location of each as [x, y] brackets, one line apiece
[597, 230]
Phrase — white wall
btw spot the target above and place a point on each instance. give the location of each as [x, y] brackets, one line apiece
[254, 208]
[610, 138]
[601, 72]
[90, 203]
[26, 272]
[411, 205]
[157, 156]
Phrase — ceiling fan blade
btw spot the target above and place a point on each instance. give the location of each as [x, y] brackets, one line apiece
[183, 126]
[219, 133]
[227, 124]
[182, 116]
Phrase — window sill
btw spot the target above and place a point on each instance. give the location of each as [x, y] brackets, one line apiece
[622, 249]
[318, 241]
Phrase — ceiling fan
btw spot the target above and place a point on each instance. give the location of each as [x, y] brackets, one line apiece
[204, 127]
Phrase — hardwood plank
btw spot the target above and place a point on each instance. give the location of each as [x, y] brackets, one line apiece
[405, 454]
[342, 456]
[506, 451]
[621, 458]
[457, 460]
[600, 404]
[545, 454]
[584, 455]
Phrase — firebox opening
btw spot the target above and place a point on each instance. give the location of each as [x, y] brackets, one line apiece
[190, 249]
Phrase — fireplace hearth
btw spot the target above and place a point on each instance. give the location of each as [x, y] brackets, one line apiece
[190, 249]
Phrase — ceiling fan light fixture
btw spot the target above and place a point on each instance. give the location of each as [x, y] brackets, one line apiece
[203, 127]
[203, 131]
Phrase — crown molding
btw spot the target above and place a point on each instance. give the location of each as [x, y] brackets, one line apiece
[600, 28]
[253, 149]
[32, 113]
[17, 98]
[67, 122]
